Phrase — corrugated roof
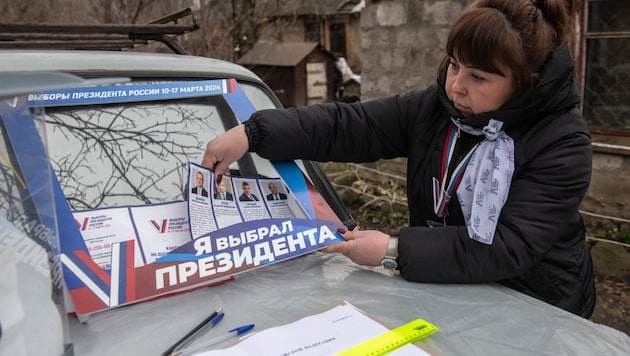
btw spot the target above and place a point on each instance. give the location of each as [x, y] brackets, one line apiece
[275, 8]
[283, 54]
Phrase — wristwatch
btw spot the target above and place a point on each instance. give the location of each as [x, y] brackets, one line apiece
[389, 261]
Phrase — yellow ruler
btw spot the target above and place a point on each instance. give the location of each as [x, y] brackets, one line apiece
[393, 339]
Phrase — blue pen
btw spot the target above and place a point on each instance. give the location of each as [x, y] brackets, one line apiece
[236, 332]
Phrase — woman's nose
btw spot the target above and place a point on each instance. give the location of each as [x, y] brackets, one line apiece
[457, 85]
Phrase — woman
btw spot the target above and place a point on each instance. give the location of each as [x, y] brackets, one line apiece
[499, 158]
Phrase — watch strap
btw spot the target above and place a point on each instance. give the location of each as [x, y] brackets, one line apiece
[389, 261]
[392, 247]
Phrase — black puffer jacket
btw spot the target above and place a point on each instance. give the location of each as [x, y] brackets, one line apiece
[539, 246]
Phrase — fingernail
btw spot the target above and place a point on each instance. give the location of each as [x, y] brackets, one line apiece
[341, 231]
[219, 178]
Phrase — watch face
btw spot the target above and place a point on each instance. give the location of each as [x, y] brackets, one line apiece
[389, 263]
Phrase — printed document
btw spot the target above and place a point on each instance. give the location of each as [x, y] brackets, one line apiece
[326, 333]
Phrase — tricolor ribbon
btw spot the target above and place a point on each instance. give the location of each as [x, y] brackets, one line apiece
[443, 191]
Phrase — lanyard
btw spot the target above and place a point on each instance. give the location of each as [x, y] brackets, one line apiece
[443, 191]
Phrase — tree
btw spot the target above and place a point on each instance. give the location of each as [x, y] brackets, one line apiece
[227, 29]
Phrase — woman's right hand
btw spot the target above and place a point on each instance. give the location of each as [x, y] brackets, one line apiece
[364, 247]
[225, 149]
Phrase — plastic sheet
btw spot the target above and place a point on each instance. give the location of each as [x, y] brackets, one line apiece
[478, 319]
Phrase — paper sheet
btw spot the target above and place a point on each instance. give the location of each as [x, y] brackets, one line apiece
[326, 333]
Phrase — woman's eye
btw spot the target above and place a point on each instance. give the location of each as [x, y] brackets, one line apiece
[477, 77]
[452, 66]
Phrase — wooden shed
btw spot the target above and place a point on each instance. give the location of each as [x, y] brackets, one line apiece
[300, 73]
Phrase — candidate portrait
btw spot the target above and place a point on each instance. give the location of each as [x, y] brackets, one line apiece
[199, 189]
[274, 194]
[247, 193]
[222, 193]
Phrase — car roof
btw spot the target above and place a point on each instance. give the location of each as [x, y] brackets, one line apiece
[91, 64]
[21, 83]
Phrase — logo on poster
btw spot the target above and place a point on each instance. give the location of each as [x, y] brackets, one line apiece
[94, 222]
[83, 226]
[172, 225]
[161, 228]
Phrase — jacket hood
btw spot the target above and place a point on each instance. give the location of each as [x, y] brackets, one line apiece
[555, 90]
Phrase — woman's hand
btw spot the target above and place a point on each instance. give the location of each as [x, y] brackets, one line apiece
[225, 149]
[362, 247]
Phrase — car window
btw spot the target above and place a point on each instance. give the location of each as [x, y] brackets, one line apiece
[258, 97]
[136, 152]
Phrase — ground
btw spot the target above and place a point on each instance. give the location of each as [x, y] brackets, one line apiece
[612, 279]
[611, 263]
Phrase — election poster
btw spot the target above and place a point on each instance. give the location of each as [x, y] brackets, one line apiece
[125, 254]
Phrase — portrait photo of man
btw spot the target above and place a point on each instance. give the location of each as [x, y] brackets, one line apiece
[274, 194]
[199, 189]
[222, 193]
[247, 193]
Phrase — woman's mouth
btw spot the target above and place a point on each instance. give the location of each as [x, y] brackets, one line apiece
[461, 108]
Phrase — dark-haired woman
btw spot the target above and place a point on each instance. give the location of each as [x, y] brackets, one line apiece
[499, 158]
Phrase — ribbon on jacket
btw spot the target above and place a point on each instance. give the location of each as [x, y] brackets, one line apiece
[443, 190]
[486, 181]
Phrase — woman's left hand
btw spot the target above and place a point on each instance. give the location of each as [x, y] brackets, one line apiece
[362, 247]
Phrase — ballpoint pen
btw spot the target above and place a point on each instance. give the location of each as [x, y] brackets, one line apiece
[230, 334]
[193, 334]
